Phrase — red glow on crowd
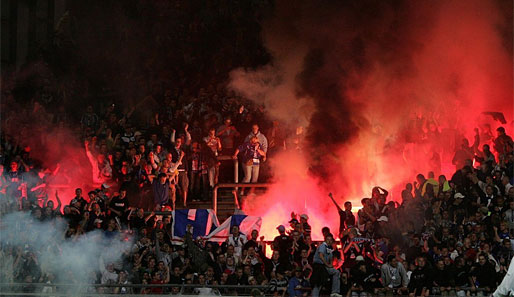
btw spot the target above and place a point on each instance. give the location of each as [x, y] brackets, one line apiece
[407, 124]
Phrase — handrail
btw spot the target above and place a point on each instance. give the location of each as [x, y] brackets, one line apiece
[233, 185]
[67, 287]
[137, 285]
[236, 166]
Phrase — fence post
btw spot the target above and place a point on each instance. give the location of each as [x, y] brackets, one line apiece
[215, 199]
[236, 171]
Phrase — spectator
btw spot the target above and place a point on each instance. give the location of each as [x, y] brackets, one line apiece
[365, 279]
[443, 281]
[89, 119]
[237, 240]
[503, 143]
[102, 171]
[297, 285]
[420, 282]
[252, 156]
[260, 137]
[346, 217]
[228, 134]
[282, 243]
[465, 152]
[198, 165]
[161, 189]
[366, 213]
[394, 276]
[178, 160]
[305, 224]
[214, 144]
[483, 274]
[322, 267]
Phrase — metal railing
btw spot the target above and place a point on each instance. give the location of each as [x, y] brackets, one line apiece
[16, 289]
[235, 186]
[13, 289]
[236, 166]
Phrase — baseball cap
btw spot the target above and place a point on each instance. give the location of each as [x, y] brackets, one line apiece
[359, 258]
[383, 219]
[458, 195]
[304, 216]
[281, 228]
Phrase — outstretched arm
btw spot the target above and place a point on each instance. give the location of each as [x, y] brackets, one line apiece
[335, 203]
[476, 140]
[384, 191]
[59, 203]
[188, 135]
[89, 155]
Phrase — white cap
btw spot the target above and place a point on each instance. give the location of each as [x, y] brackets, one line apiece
[458, 195]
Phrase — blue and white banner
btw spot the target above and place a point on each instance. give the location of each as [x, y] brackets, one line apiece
[203, 221]
[246, 225]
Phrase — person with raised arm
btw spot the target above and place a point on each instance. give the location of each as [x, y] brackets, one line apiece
[102, 171]
[346, 217]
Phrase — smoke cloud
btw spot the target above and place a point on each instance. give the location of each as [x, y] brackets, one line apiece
[70, 260]
[392, 88]
[52, 147]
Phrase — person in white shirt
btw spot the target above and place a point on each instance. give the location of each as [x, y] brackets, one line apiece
[237, 240]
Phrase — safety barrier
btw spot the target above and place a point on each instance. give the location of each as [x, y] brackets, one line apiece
[20, 289]
[235, 186]
[58, 290]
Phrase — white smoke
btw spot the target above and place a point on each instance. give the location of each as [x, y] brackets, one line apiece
[72, 259]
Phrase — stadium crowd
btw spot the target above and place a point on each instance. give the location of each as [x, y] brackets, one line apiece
[462, 246]
[450, 235]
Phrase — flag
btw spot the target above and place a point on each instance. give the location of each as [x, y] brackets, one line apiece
[203, 221]
[246, 225]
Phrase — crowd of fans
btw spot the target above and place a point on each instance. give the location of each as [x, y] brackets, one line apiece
[462, 246]
[450, 235]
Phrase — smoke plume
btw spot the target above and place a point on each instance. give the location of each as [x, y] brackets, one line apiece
[70, 260]
[392, 89]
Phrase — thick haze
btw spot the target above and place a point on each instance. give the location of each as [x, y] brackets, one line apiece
[69, 260]
[392, 86]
